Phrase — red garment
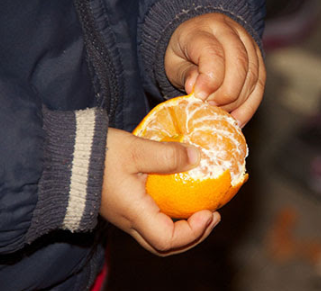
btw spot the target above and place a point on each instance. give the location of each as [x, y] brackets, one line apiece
[97, 286]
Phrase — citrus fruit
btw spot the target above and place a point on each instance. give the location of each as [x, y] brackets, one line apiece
[221, 171]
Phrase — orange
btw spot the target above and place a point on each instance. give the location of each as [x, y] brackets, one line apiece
[221, 171]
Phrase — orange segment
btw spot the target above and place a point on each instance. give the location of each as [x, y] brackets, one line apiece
[223, 151]
[174, 138]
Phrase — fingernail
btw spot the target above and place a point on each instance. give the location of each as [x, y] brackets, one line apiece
[216, 218]
[201, 95]
[210, 220]
[212, 102]
[194, 155]
[240, 124]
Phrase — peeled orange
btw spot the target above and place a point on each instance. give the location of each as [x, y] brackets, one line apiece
[223, 148]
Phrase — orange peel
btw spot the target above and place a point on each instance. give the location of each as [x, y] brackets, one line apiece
[221, 171]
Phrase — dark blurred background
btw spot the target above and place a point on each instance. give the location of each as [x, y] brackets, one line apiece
[270, 234]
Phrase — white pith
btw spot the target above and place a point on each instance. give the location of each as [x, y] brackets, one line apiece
[213, 161]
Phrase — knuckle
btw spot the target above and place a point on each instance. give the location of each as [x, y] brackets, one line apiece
[172, 158]
[262, 78]
[208, 46]
[253, 73]
[136, 153]
[215, 52]
[252, 78]
[162, 246]
[212, 65]
[228, 96]
[242, 59]
[261, 84]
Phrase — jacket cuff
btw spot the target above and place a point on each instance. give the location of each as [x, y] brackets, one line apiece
[167, 15]
[70, 187]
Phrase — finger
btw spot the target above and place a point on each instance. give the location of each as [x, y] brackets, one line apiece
[190, 79]
[251, 77]
[245, 112]
[180, 72]
[236, 69]
[207, 53]
[253, 70]
[200, 233]
[164, 237]
[185, 74]
[160, 157]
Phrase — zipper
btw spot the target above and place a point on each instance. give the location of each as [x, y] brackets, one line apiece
[100, 60]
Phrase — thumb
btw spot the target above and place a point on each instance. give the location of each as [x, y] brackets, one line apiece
[164, 157]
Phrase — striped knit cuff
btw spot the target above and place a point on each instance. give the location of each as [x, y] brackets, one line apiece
[167, 15]
[70, 188]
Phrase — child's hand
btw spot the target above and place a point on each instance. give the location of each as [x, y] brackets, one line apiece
[217, 57]
[126, 204]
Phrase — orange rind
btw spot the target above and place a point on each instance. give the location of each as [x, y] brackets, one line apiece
[221, 172]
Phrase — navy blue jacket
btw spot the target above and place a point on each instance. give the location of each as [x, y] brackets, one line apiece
[68, 71]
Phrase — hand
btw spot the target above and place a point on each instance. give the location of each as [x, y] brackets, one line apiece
[126, 204]
[216, 57]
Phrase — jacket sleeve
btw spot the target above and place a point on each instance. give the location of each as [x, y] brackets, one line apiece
[51, 167]
[163, 17]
